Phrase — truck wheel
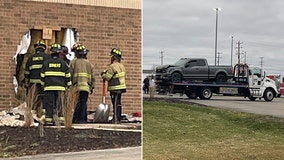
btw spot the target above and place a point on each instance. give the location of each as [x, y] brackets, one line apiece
[221, 77]
[268, 95]
[205, 93]
[176, 77]
[252, 98]
[190, 95]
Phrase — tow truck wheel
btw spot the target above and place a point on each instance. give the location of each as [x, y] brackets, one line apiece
[176, 77]
[252, 98]
[190, 95]
[205, 93]
[268, 95]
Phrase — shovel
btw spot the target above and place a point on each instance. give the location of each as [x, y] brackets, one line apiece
[102, 112]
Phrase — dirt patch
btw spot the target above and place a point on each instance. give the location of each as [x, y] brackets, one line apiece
[20, 141]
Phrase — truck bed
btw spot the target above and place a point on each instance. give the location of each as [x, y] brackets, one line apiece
[212, 84]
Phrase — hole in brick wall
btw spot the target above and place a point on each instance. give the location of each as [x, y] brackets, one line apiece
[64, 36]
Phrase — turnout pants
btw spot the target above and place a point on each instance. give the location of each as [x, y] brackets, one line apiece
[80, 114]
[52, 105]
[116, 103]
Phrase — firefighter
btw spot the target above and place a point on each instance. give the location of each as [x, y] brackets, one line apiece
[32, 73]
[64, 53]
[55, 75]
[83, 77]
[115, 75]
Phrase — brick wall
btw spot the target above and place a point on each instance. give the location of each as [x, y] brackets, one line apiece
[100, 29]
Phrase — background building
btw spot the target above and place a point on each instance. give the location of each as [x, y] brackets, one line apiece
[99, 24]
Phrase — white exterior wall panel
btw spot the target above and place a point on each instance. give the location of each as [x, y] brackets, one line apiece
[132, 4]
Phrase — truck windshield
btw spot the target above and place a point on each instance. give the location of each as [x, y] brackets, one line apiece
[256, 71]
[181, 62]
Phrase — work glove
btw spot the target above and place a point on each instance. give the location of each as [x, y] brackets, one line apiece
[103, 72]
[91, 91]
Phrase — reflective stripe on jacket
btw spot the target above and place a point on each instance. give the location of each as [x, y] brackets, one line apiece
[83, 74]
[115, 75]
[55, 74]
[33, 67]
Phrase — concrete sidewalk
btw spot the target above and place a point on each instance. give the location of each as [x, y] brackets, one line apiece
[130, 153]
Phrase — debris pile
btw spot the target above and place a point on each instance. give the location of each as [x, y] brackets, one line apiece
[15, 117]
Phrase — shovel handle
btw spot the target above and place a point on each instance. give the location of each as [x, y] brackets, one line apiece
[104, 88]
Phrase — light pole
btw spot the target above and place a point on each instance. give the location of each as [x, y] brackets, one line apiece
[232, 46]
[216, 9]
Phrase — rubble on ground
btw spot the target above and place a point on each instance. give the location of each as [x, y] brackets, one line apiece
[15, 117]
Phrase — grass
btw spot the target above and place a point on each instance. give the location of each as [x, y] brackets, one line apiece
[180, 131]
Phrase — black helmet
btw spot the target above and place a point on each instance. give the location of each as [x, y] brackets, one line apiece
[40, 44]
[117, 53]
[56, 48]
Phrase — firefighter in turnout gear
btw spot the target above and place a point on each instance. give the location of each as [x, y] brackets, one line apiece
[115, 75]
[83, 77]
[32, 73]
[56, 78]
[64, 53]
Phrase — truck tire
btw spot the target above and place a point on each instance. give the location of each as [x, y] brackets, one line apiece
[252, 98]
[190, 95]
[221, 77]
[268, 94]
[176, 77]
[205, 93]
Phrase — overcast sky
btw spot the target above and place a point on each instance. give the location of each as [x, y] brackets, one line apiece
[186, 28]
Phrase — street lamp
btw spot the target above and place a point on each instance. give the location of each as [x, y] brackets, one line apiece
[216, 9]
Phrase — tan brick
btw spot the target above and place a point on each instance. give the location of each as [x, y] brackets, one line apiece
[100, 29]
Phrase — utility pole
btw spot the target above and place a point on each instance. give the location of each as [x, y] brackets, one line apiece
[232, 46]
[239, 48]
[162, 57]
[261, 62]
[245, 57]
[216, 30]
[218, 57]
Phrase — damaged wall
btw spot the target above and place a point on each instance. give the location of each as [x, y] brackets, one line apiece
[100, 29]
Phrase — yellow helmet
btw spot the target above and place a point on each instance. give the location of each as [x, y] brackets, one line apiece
[40, 43]
[56, 48]
[80, 49]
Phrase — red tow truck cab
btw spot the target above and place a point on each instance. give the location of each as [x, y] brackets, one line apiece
[279, 80]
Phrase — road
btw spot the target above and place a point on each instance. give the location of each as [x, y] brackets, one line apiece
[273, 108]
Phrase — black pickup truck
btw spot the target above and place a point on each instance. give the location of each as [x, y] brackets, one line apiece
[192, 69]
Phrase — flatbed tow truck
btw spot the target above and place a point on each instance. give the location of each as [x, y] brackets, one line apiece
[247, 82]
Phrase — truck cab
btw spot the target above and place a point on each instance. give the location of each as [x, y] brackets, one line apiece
[259, 85]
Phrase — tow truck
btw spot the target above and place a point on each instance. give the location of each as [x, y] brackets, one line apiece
[248, 81]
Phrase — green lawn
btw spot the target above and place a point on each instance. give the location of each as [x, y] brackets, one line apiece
[181, 131]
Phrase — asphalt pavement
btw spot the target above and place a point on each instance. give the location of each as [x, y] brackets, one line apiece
[259, 106]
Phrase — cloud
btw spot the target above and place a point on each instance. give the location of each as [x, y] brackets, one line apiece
[187, 29]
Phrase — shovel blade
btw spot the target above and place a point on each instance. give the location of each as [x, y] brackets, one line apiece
[102, 113]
